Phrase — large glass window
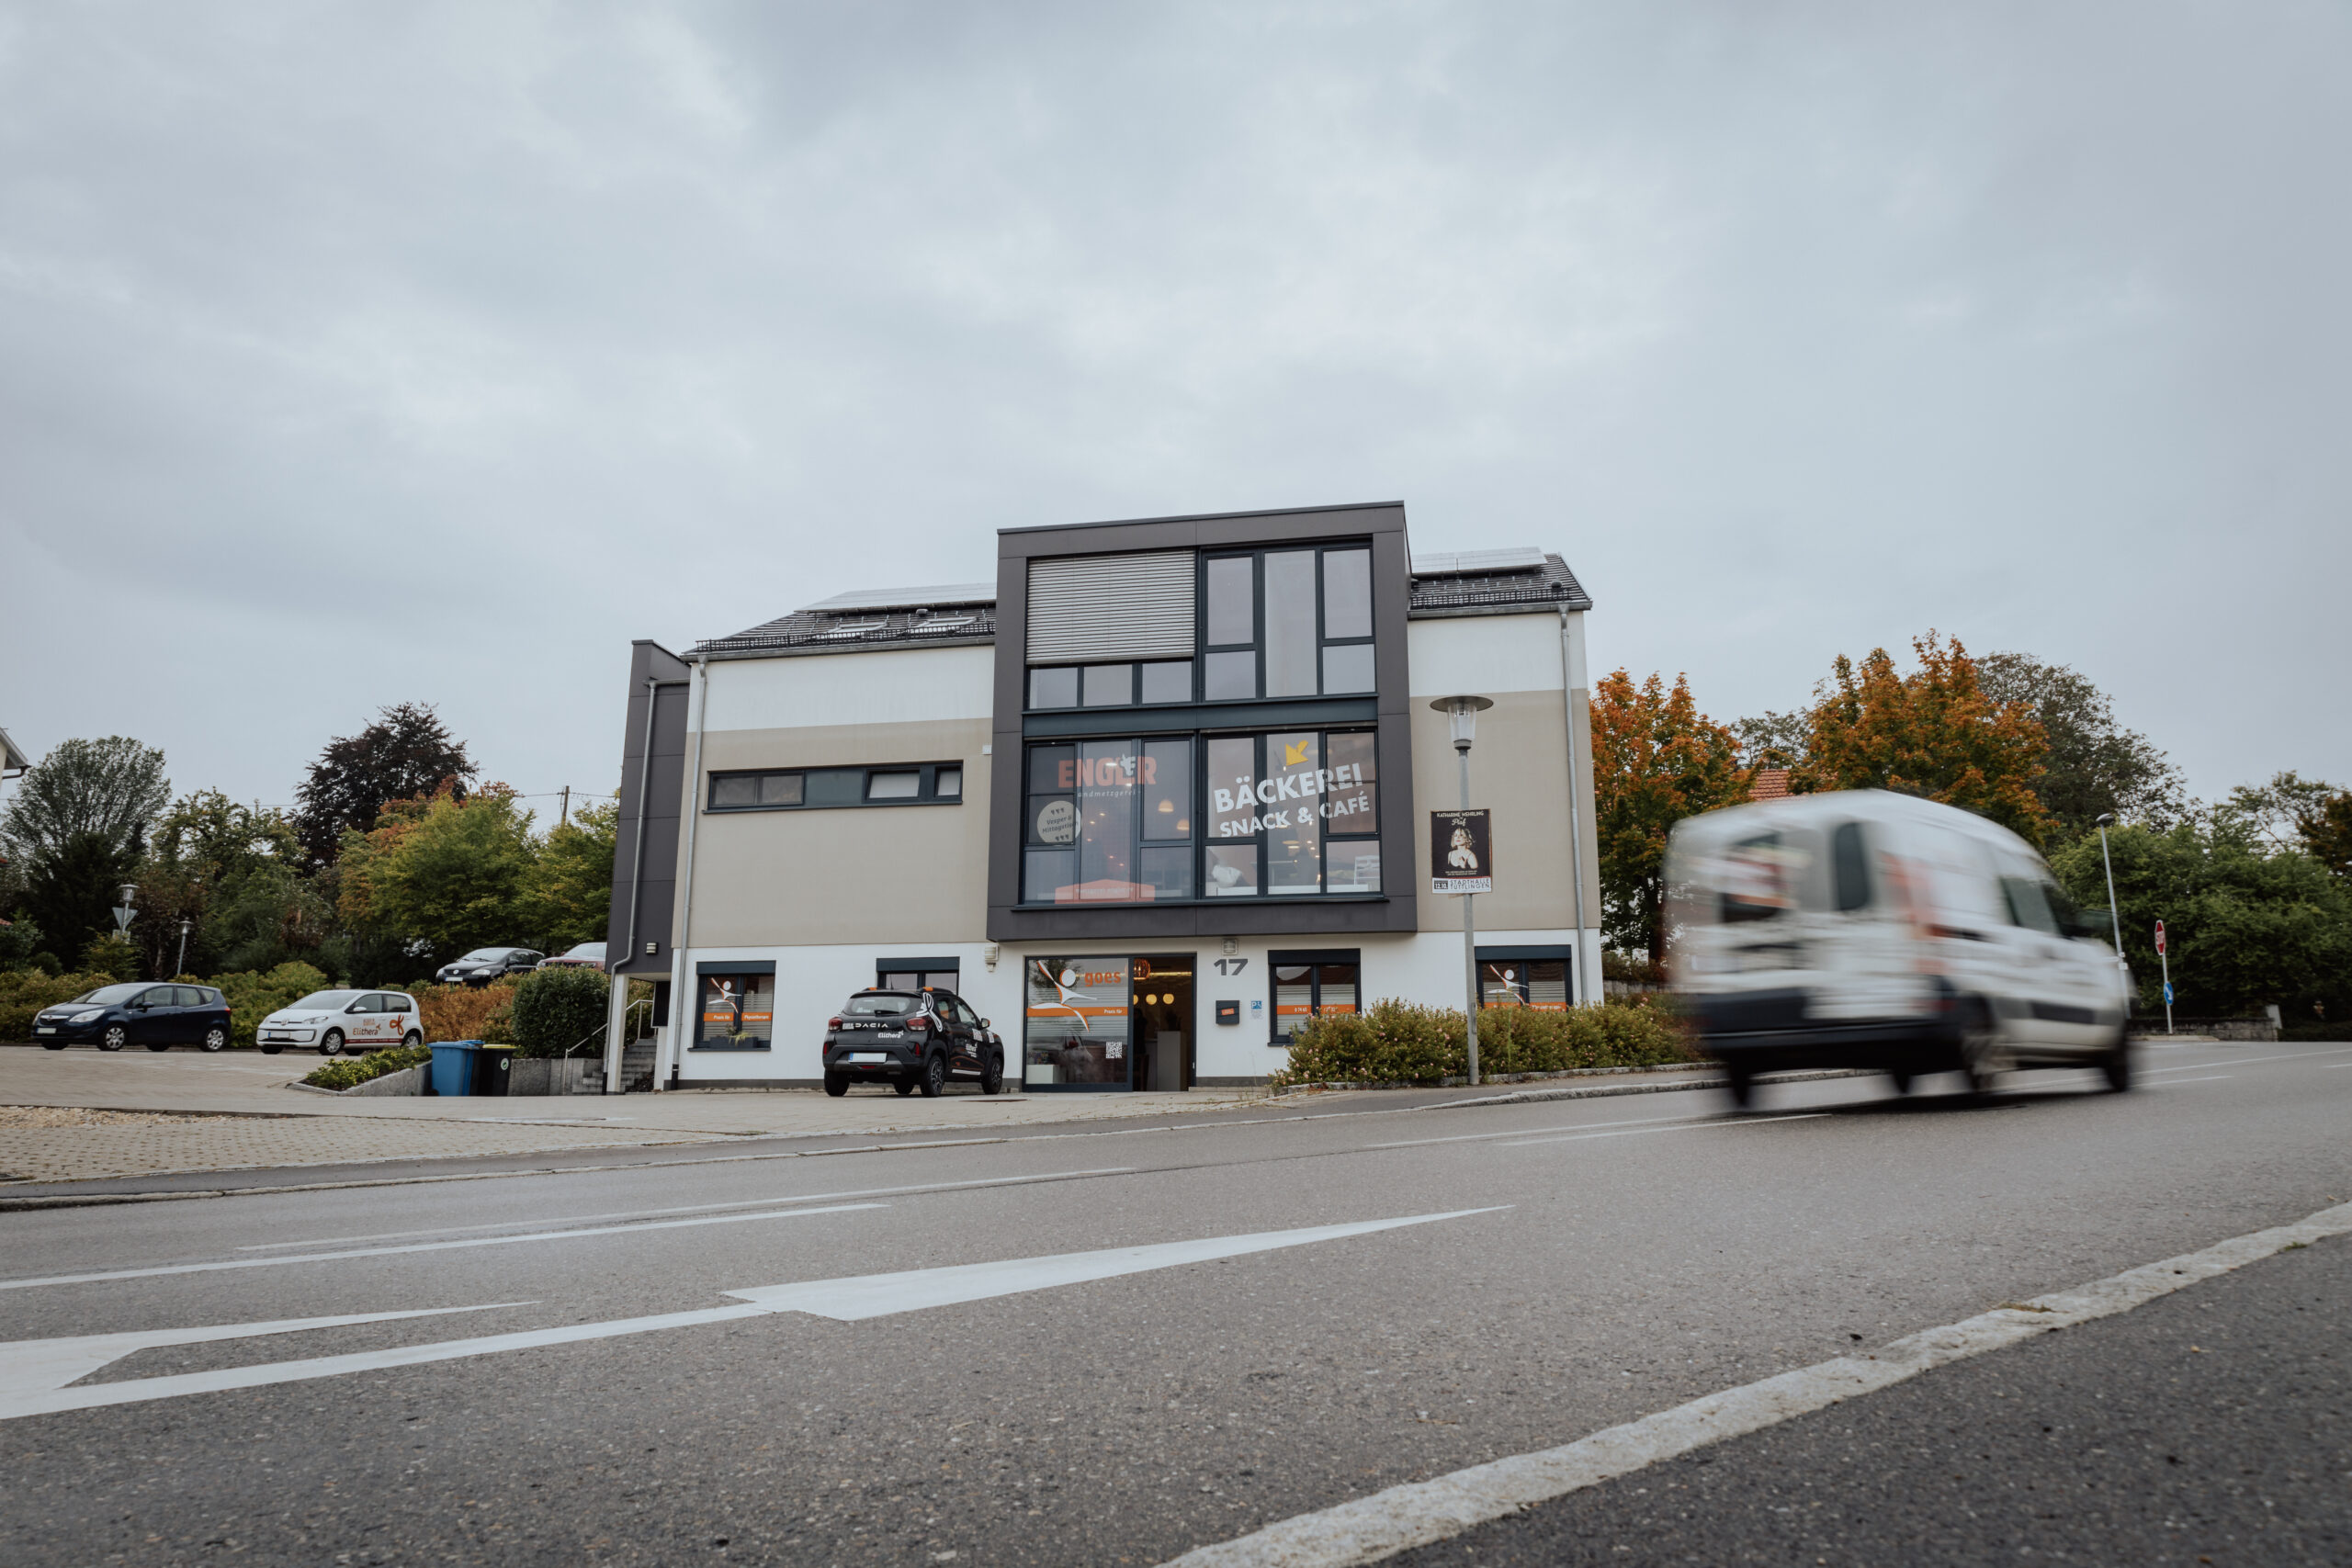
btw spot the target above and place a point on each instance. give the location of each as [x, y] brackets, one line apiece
[1541, 983]
[1109, 822]
[1075, 1028]
[1294, 623]
[737, 1009]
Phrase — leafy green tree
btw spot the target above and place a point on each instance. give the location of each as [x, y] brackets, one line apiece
[2246, 924]
[454, 875]
[234, 873]
[72, 891]
[19, 939]
[2092, 765]
[568, 896]
[407, 752]
[1656, 760]
[2327, 829]
[108, 790]
[1935, 733]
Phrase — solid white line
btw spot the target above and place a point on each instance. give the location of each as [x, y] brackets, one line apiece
[1523, 1131]
[417, 1246]
[2176, 1083]
[1686, 1127]
[706, 1208]
[2250, 1061]
[1401, 1518]
[845, 1300]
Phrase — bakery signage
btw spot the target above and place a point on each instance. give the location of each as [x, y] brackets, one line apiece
[1462, 851]
[1293, 798]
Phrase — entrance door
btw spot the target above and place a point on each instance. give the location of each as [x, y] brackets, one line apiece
[1165, 1047]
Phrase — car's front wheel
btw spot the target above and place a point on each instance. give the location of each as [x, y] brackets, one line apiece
[934, 1074]
[992, 1073]
[330, 1042]
[837, 1083]
[115, 1038]
[2117, 1066]
[215, 1039]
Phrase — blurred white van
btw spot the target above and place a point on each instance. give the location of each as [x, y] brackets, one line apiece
[1861, 928]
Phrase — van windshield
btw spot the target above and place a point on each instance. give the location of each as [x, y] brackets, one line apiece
[880, 1004]
[324, 1001]
[111, 996]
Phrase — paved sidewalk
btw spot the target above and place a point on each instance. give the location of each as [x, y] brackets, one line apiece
[248, 1118]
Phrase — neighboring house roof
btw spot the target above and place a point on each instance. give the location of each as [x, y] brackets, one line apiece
[12, 761]
[1470, 583]
[1771, 784]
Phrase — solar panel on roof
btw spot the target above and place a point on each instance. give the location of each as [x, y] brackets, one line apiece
[1462, 563]
[906, 598]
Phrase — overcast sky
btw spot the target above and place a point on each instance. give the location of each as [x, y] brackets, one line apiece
[357, 354]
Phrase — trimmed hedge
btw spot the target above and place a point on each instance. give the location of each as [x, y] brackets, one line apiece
[345, 1073]
[558, 1008]
[1396, 1042]
[24, 992]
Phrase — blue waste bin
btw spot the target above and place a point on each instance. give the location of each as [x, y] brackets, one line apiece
[452, 1066]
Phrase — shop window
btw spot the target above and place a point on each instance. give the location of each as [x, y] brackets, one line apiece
[1531, 978]
[737, 1010]
[1312, 984]
[1109, 822]
[1294, 623]
[905, 783]
[1075, 1030]
[1292, 813]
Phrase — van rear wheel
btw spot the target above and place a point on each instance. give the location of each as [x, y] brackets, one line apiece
[2116, 1067]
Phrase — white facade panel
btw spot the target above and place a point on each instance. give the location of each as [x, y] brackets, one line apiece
[907, 686]
[1484, 654]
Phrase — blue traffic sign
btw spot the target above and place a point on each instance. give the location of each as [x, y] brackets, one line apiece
[2167, 993]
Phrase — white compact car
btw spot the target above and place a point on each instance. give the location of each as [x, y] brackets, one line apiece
[1861, 929]
[344, 1020]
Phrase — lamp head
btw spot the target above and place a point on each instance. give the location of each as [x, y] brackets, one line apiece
[130, 890]
[2105, 818]
[1462, 712]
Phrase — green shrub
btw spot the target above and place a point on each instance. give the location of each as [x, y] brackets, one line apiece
[555, 1010]
[1396, 1042]
[115, 959]
[253, 996]
[24, 992]
[345, 1073]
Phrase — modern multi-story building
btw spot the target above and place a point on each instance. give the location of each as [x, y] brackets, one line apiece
[1147, 801]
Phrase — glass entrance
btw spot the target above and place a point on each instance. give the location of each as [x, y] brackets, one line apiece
[1108, 1024]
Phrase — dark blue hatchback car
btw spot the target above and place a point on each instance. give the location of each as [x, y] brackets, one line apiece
[137, 1013]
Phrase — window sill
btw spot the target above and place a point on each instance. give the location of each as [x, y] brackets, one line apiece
[749, 1045]
[843, 805]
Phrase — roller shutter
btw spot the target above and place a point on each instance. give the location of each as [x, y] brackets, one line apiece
[1111, 607]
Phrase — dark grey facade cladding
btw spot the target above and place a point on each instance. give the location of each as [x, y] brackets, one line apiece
[1384, 523]
[655, 883]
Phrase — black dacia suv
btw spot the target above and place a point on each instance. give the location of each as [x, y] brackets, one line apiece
[910, 1040]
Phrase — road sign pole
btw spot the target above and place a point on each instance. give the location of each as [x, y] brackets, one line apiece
[1469, 939]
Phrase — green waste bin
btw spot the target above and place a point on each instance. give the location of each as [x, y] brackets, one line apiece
[492, 1064]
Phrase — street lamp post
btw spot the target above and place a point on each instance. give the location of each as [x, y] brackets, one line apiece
[180, 966]
[2114, 915]
[1463, 715]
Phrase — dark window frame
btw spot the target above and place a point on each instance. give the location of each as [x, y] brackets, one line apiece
[926, 788]
[1256, 555]
[1200, 840]
[709, 968]
[1316, 959]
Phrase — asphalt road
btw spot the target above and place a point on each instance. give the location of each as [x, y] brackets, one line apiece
[1629, 1254]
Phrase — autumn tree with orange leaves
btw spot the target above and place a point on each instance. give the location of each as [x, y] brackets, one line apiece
[1656, 760]
[1933, 733]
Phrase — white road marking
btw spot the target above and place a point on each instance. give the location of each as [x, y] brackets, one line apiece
[703, 1208]
[2176, 1083]
[845, 1300]
[2250, 1061]
[1685, 1127]
[417, 1246]
[42, 1366]
[1401, 1518]
[1523, 1131]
